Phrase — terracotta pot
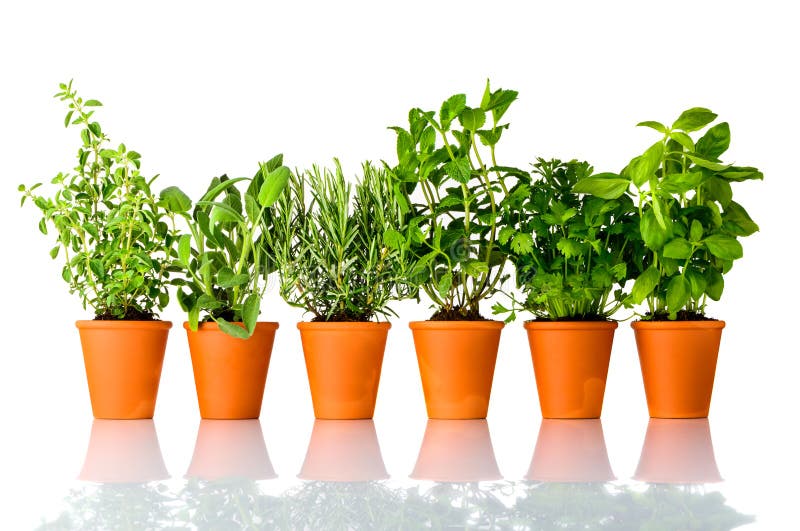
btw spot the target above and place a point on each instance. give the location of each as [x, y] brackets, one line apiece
[456, 362]
[343, 450]
[344, 361]
[230, 373]
[230, 449]
[570, 451]
[123, 451]
[570, 362]
[457, 451]
[123, 362]
[678, 359]
[678, 451]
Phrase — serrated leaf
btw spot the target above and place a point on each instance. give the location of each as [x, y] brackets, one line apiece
[444, 284]
[451, 109]
[459, 170]
[475, 268]
[505, 234]
[522, 243]
[569, 247]
[472, 119]
[393, 239]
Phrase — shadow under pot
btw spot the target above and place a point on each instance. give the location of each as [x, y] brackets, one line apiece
[679, 361]
[230, 373]
[343, 361]
[123, 361]
[456, 363]
[570, 363]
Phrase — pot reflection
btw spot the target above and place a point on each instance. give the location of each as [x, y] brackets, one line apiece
[456, 451]
[570, 451]
[678, 451]
[230, 449]
[123, 451]
[343, 450]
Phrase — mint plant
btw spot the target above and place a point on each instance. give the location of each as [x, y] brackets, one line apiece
[568, 249]
[338, 246]
[450, 187]
[226, 255]
[114, 235]
[689, 223]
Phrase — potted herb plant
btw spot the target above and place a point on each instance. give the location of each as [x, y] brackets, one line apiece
[569, 253]
[339, 257]
[452, 188]
[114, 237]
[226, 259]
[690, 229]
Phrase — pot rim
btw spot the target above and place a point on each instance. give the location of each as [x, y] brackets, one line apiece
[211, 326]
[677, 325]
[570, 325]
[456, 325]
[319, 326]
[127, 325]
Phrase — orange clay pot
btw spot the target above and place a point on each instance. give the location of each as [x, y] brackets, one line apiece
[230, 373]
[123, 366]
[343, 361]
[570, 362]
[678, 359]
[456, 362]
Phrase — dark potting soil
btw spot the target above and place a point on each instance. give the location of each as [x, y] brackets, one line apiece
[457, 313]
[575, 318]
[682, 315]
[131, 314]
[345, 316]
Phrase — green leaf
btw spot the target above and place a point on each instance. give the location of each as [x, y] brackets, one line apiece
[715, 142]
[661, 128]
[194, 317]
[505, 234]
[472, 119]
[678, 293]
[67, 118]
[475, 268]
[459, 170]
[184, 249]
[726, 247]
[697, 282]
[683, 139]
[226, 278]
[718, 190]
[703, 163]
[232, 329]
[569, 248]
[604, 185]
[451, 109]
[222, 212]
[54, 251]
[175, 200]
[490, 137]
[94, 127]
[694, 119]
[645, 284]
[643, 167]
[743, 225]
[393, 239]
[678, 248]
[522, 243]
[92, 103]
[696, 231]
[92, 230]
[97, 267]
[250, 310]
[444, 284]
[653, 234]
[714, 283]
[274, 184]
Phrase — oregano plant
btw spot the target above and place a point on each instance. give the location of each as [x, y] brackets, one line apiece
[113, 234]
[226, 257]
[689, 224]
[338, 245]
[568, 249]
[451, 188]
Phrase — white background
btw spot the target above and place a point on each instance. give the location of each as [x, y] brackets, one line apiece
[201, 89]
